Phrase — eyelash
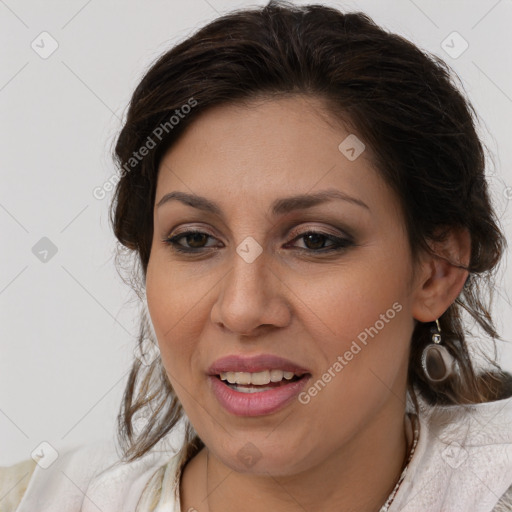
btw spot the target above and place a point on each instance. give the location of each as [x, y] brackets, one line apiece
[339, 243]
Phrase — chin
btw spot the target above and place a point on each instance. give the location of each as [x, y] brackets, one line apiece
[258, 458]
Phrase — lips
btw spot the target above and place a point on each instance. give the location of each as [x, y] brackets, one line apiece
[253, 364]
[252, 400]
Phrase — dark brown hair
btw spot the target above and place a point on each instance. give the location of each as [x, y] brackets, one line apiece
[401, 101]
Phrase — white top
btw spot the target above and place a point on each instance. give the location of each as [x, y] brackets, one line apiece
[462, 462]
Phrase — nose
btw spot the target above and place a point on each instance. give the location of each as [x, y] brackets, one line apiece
[251, 298]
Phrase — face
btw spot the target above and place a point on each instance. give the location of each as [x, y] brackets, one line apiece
[324, 284]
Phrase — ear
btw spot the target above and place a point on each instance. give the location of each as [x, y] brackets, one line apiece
[439, 281]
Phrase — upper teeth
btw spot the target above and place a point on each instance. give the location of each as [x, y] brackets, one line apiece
[258, 378]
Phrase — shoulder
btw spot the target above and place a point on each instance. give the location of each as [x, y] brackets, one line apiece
[14, 480]
[32, 482]
[463, 459]
[81, 478]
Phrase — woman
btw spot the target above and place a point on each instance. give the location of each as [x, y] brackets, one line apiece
[306, 198]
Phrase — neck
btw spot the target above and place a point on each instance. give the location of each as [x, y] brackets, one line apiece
[357, 477]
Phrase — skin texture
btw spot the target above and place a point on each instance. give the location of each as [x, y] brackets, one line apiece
[343, 450]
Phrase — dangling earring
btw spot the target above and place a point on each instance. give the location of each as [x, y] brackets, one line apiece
[436, 361]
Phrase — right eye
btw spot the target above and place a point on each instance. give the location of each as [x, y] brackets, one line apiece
[193, 238]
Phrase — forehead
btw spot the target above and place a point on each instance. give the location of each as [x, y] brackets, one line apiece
[265, 149]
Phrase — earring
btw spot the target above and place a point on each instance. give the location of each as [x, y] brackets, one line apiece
[436, 361]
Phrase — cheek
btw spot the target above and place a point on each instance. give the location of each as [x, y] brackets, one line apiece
[362, 334]
[174, 306]
[361, 313]
[352, 297]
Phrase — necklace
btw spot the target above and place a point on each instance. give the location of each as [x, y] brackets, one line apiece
[414, 425]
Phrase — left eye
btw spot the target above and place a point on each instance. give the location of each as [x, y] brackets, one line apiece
[314, 239]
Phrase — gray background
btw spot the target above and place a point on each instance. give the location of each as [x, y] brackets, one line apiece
[68, 325]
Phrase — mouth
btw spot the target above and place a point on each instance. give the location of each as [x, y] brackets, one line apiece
[257, 382]
[242, 397]
[256, 385]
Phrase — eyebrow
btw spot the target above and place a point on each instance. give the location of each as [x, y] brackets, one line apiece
[278, 207]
